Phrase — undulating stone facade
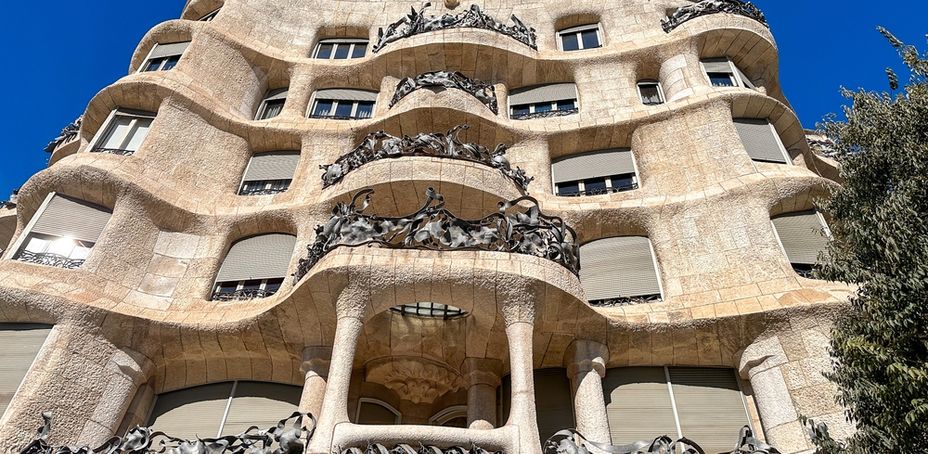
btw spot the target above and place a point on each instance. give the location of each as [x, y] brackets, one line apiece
[446, 337]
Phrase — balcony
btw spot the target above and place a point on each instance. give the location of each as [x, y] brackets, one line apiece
[707, 7]
[49, 259]
[545, 114]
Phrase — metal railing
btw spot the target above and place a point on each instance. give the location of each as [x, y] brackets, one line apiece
[242, 295]
[49, 259]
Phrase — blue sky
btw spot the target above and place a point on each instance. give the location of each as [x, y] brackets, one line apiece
[63, 52]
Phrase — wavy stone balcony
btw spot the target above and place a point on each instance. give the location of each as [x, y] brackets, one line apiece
[707, 7]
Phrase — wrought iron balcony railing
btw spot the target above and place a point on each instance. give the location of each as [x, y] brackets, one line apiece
[417, 22]
[626, 301]
[485, 93]
[514, 229]
[116, 151]
[546, 114]
[67, 134]
[601, 191]
[570, 441]
[49, 259]
[242, 295]
[380, 145]
[706, 7]
[337, 117]
[262, 191]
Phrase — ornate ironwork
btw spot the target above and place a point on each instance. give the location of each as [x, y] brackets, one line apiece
[263, 191]
[572, 442]
[706, 7]
[49, 259]
[513, 228]
[589, 192]
[547, 114]
[116, 151]
[380, 145]
[417, 22]
[67, 134]
[485, 93]
[287, 437]
[377, 448]
[626, 301]
[242, 295]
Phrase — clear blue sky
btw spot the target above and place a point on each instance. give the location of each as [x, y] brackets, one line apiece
[60, 53]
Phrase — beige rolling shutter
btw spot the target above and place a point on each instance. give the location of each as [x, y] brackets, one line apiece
[543, 93]
[802, 236]
[717, 65]
[191, 413]
[260, 404]
[346, 94]
[618, 267]
[709, 405]
[19, 345]
[760, 140]
[275, 165]
[258, 257]
[67, 217]
[592, 165]
[374, 413]
[638, 404]
[169, 50]
[553, 404]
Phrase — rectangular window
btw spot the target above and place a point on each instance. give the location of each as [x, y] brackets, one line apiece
[568, 188]
[580, 38]
[164, 57]
[722, 72]
[542, 100]
[722, 79]
[341, 109]
[651, 93]
[271, 108]
[365, 109]
[597, 172]
[124, 133]
[323, 107]
[324, 51]
[340, 49]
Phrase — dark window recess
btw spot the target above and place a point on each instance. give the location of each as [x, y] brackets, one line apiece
[359, 50]
[521, 111]
[162, 64]
[597, 186]
[568, 188]
[342, 109]
[244, 290]
[264, 187]
[650, 94]
[271, 109]
[341, 52]
[570, 42]
[590, 39]
[721, 79]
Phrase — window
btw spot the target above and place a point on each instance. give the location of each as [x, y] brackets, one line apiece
[580, 38]
[433, 310]
[619, 271]
[19, 345]
[123, 133]
[377, 412]
[340, 49]
[272, 105]
[455, 416]
[211, 15]
[598, 172]
[269, 173]
[802, 235]
[223, 408]
[650, 92]
[255, 267]
[554, 406]
[343, 104]
[164, 56]
[62, 232]
[543, 101]
[722, 72]
[703, 404]
[761, 140]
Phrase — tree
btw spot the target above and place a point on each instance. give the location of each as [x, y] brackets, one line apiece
[880, 227]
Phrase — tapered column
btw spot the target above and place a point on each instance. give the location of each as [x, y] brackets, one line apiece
[482, 377]
[586, 367]
[522, 404]
[335, 404]
[316, 362]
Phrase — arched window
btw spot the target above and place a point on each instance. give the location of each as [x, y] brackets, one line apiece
[455, 416]
[377, 412]
[62, 232]
[619, 270]
[254, 267]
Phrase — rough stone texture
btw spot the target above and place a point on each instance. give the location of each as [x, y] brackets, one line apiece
[136, 319]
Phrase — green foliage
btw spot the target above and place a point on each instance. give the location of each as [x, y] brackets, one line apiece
[880, 226]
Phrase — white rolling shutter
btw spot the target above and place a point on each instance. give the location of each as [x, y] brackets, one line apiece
[619, 267]
[596, 164]
[802, 236]
[169, 50]
[19, 345]
[346, 94]
[67, 217]
[193, 412]
[258, 257]
[760, 140]
[543, 93]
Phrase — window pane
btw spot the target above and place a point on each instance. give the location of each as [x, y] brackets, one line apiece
[595, 186]
[138, 134]
[80, 252]
[590, 39]
[273, 285]
[567, 104]
[170, 63]
[343, 109]
[322, 108]
[365, 109]
[61, 246]
[37, 245]
[359, 50]
[251, 285]
[280, 185]
[325, 51]
[153, 64]
[623, 182]
[568, 188]
[721, 79]
[227, 287]
[520, 110]
[650, 94]
[543, 107]
[569, 41]
[116, 136]
[272, 109]
[341, 51]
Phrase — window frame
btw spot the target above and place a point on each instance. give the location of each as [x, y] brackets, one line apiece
[553, 104]
[371, 400]
[659, 275]
[108, 125]
[355, 104]
[266, 100]
[660, 91]
[240, 285]
[821, 219]
[448, 414]
[733, 72]
[351, 42]
[164, 59]
[636, 180]
[577, 31]
[779, 140]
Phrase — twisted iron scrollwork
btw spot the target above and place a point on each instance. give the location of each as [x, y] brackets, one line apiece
[380, 145]
[485, 93]
[287, 437]
[572, 442]
[417, 22]
[706, 7]
[377, 448]
[242, 295]
[547, 114]
[513, 228]
[67, 134]
[49, 259]
[116, 151]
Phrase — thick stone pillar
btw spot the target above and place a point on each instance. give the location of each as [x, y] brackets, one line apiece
[127, 370]
[482, 377]
[316, 361]
[586, 366]
[335, 404]
[522, 373]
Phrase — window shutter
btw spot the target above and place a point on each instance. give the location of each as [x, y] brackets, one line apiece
[638, 404]
[709, 405]
[592, 165]
[553, 404]
[618, 267]
[717, 65]
[346, 94]
[260, 404]
[760, 140]
[67, 217]
[276, 165]
[801, 234]
[258, 257]
[343, 41]
[543, 93]
[19, 345]
[169, 50]
[374, 413]
[191, 413]
[279, 93]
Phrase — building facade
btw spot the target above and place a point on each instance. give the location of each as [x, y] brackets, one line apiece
[532, 216]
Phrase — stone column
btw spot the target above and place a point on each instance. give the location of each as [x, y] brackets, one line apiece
[482, 377]
[127, 370]
[522, 373]
[316, 361]
[335, 404]
[586, 366]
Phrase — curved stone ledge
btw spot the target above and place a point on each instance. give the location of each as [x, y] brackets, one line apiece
[196, 9]
[170, 31]
[355, 435]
